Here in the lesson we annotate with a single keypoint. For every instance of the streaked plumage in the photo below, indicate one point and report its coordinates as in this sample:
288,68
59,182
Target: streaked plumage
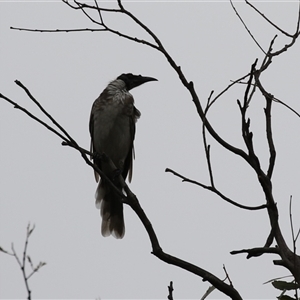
112,129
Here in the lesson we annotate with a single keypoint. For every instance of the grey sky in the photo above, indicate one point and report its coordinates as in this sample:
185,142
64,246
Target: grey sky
51,186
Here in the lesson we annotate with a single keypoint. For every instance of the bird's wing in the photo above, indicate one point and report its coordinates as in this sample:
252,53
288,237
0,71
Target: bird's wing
128,164
91,128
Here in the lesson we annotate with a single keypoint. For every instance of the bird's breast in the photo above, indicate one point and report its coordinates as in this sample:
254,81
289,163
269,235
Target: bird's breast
112,134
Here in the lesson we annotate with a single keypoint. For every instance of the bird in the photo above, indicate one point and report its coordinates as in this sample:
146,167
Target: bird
112,130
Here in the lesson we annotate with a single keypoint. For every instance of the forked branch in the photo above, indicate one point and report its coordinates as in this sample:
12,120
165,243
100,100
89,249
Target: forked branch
25,258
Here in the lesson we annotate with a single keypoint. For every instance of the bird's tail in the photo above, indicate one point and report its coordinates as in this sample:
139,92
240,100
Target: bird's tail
111,210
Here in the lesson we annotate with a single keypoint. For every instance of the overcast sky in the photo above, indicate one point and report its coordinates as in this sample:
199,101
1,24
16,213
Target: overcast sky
52,187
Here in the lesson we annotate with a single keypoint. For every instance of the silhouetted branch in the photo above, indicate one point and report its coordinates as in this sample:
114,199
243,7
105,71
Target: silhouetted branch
254,252
270,136
170,290
278,101
248,30
19,83
284,104
268,20
58,30
246,133
25,257
211,102
227,276
294,238
213,189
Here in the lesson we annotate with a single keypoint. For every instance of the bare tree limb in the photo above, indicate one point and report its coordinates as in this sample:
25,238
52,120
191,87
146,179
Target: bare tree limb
58,30
17,106
270,136
22,263
170,290
210,103
284,104
268,20
213,189
248,30
294,238
227,276
19,83
254,252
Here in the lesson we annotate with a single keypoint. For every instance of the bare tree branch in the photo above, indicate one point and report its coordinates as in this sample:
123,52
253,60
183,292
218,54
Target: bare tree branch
284,104
254,252
227,276
292,226
210,103
22,264
19,83
170,290
17,106
248,30
58,30
268,20
270,136
213,189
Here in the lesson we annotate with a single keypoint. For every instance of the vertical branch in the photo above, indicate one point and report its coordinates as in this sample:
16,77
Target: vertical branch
270,136
292,226
206,146
170,289
28,233
22,264
246,133
246,27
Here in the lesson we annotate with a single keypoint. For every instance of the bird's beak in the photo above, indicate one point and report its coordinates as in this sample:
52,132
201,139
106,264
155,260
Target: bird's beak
146,79
138,80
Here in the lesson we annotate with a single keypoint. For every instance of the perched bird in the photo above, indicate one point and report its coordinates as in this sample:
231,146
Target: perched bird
112,129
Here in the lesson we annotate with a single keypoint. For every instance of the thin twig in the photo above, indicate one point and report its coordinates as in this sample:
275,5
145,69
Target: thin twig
22,263
99,12
59,30
277,101
81,7
246,133
29,231
287,106
227,275
226,89
38,104
248,30
85,5
291,224
17,106
213,189
268,20
170,290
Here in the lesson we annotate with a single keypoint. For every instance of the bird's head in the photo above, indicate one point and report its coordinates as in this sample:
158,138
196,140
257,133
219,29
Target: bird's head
132,81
